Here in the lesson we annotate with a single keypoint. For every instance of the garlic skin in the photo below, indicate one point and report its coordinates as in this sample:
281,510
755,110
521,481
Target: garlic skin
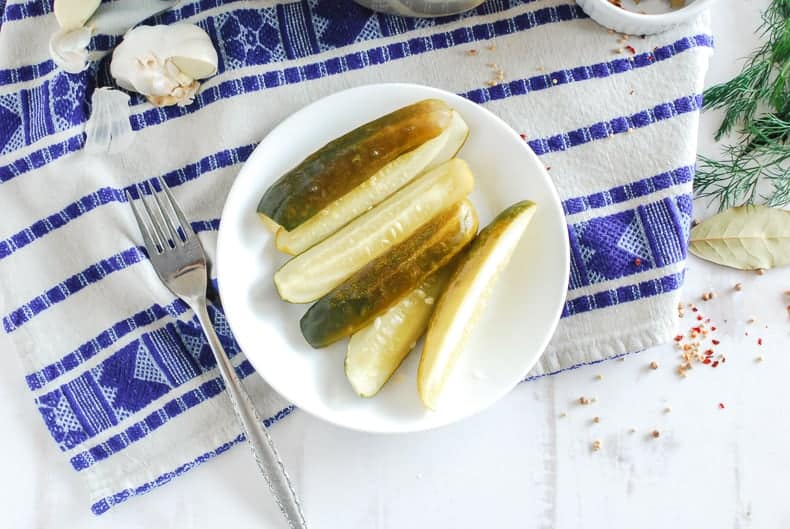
69,48
164,63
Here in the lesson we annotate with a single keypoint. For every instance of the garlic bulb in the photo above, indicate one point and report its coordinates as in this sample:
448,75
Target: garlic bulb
164,63
69,48
72,14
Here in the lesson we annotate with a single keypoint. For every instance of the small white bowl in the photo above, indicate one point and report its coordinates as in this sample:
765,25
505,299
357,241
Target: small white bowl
631,23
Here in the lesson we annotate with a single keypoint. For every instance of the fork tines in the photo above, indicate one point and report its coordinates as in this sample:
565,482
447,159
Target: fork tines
161,221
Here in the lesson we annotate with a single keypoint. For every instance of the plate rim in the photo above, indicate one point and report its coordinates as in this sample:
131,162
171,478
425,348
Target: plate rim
437,92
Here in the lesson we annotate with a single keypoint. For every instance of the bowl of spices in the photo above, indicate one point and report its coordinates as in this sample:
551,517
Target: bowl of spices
643,17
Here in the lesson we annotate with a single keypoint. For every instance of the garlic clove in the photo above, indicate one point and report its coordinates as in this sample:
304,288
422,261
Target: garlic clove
163,62
69,49
72,14
195,68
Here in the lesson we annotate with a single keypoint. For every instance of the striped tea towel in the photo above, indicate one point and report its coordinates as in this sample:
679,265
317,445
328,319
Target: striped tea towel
119,369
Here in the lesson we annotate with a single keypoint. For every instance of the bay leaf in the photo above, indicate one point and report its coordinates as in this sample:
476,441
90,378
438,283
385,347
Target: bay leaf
745,237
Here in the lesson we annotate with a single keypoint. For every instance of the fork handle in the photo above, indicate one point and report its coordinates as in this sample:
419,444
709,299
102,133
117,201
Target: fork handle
269,462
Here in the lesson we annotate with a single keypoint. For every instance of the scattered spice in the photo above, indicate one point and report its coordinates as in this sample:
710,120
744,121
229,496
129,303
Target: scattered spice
584,401
563,415
631,93
759,341
759,359
751,320
596,445
738,287
491,47
721,405
630,49
653,365
667,409
598,377
655,434
707,296
632,430
548,168
596,420
637,262
760,272
471,52
523,136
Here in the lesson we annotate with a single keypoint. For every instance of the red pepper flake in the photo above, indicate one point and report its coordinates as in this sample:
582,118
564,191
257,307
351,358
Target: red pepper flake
523,136
723,359
716,363
678,337
721,405
706,361
694,309
759,341
699,318
714,327
707,320
715,342
638,261
709,352
631,49
548,168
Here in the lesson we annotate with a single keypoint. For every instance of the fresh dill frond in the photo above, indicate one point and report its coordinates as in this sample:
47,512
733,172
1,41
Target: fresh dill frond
756,107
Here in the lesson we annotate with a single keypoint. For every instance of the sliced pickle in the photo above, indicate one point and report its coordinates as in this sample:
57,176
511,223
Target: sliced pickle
315,272
376,188
463,300
386,280
344,163
376,351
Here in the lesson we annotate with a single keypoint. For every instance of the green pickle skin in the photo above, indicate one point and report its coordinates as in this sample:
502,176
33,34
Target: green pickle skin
386,280
344,163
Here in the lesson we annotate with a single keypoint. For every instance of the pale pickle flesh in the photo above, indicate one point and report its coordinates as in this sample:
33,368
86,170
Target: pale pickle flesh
372,191
464,298
317,271
375,352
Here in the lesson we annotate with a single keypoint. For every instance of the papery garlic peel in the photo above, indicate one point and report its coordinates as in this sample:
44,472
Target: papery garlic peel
69,48
164,62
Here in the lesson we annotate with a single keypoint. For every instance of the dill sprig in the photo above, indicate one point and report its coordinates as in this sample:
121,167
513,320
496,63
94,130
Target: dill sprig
756,107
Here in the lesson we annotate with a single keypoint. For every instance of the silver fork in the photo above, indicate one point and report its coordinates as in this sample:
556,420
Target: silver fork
179,260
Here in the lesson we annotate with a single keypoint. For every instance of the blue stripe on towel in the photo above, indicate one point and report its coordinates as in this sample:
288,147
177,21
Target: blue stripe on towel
625,192
94,273
105,504
623,294
620,125
108,195
584,73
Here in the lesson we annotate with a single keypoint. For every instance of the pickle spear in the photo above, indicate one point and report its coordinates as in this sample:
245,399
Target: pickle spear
376,188
376,351
315,272
344,163
460,305
386,280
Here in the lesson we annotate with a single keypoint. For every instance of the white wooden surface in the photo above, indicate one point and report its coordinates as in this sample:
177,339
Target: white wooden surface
520,464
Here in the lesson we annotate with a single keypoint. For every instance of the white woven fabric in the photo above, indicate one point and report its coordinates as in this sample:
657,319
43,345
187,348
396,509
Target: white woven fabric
119,370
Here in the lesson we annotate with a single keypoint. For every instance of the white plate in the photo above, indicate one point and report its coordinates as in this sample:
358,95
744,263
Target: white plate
512,333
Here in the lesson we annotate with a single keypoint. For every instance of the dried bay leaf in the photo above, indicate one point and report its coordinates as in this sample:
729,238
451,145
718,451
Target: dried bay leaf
746,237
